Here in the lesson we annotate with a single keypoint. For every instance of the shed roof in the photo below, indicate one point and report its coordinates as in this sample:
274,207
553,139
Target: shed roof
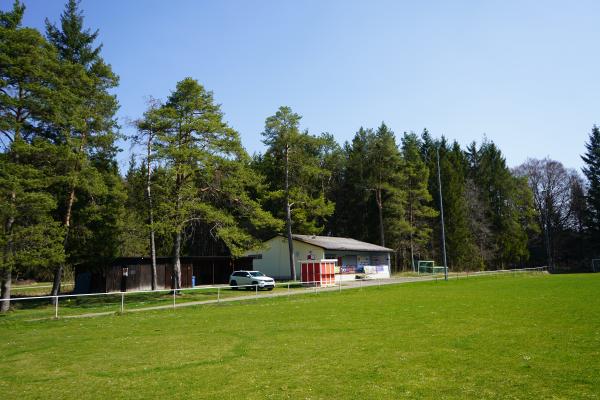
340,243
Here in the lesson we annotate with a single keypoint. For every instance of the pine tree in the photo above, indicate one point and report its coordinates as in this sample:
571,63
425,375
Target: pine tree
459,238
508,202
355,213
293,166
29,237
148,127
384,180
592,172
74,43
371,202
210,178
429,152
87,140
418,211
30,73
134,237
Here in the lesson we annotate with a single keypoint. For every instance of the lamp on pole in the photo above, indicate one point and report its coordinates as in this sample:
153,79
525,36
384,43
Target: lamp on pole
545,193
442,214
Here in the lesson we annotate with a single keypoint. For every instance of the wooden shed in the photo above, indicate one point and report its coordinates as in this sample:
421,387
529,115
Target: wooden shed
135,273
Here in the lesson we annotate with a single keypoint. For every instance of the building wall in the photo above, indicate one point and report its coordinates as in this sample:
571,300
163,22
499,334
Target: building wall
112,278
356,259
352,257
274,259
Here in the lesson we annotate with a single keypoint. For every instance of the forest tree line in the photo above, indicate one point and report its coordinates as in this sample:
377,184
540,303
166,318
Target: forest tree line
192,189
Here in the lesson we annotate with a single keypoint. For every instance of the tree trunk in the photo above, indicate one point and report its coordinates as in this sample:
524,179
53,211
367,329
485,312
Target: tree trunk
412,250
288,216
177,241
380,209
58,271
290,242
153,255
6,271
5,290
177,261
151,216
8,250
67,221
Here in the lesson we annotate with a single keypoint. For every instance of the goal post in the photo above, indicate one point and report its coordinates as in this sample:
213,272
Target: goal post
425,267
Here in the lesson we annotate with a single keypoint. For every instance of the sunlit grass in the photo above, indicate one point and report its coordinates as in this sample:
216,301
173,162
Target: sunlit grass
521,336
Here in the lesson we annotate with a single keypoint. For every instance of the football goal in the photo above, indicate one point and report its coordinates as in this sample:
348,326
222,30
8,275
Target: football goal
429,267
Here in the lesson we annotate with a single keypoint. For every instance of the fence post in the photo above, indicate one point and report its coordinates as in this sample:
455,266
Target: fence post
122,301
288,288
56,307
174,290
340,283
218,294
256,286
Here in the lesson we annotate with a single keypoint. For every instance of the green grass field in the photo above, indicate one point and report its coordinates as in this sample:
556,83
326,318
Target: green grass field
32,308
524,336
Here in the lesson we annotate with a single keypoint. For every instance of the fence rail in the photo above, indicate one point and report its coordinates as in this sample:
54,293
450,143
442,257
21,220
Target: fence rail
292,286
15,287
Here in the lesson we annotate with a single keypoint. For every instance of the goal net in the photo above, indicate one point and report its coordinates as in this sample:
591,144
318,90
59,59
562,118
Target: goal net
429,267
425,267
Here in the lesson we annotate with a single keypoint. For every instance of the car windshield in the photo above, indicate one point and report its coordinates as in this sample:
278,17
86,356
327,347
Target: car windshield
256,273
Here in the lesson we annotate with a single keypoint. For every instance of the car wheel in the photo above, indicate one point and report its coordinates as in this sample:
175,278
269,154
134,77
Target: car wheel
233,285
269,288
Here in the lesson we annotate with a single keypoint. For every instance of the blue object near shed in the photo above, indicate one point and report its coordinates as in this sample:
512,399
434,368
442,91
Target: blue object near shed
193,281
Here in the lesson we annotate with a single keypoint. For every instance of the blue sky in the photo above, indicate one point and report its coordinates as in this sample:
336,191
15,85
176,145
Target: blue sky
524,73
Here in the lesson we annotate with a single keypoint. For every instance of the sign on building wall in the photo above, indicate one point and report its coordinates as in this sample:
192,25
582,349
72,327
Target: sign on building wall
379,259
363,261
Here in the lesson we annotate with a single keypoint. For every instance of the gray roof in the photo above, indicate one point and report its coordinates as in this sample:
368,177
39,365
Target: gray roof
340,243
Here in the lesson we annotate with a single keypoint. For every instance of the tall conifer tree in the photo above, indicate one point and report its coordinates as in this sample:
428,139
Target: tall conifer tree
30,75
210,178
592,173
294,168
87,141
418,210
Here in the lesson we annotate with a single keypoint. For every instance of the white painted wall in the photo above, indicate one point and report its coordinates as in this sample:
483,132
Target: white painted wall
275,257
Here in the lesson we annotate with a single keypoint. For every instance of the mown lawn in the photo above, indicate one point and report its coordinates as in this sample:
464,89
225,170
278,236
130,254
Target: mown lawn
524,336
33,308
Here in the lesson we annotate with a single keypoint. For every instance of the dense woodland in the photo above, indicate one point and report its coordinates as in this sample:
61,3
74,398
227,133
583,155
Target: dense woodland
192,189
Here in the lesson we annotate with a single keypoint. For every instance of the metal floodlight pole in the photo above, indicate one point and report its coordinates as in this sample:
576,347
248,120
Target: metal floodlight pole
546,233
442,214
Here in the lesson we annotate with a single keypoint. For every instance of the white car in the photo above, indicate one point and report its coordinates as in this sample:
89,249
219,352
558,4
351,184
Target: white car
255,278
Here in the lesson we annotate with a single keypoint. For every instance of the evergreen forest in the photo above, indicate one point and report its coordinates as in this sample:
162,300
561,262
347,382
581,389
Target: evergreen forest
191,188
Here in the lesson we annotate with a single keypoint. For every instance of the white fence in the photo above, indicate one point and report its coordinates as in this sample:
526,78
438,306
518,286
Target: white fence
294,287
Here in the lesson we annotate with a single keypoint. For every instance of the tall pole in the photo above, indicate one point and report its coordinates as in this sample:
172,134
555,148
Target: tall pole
288,214
546,224
442,214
